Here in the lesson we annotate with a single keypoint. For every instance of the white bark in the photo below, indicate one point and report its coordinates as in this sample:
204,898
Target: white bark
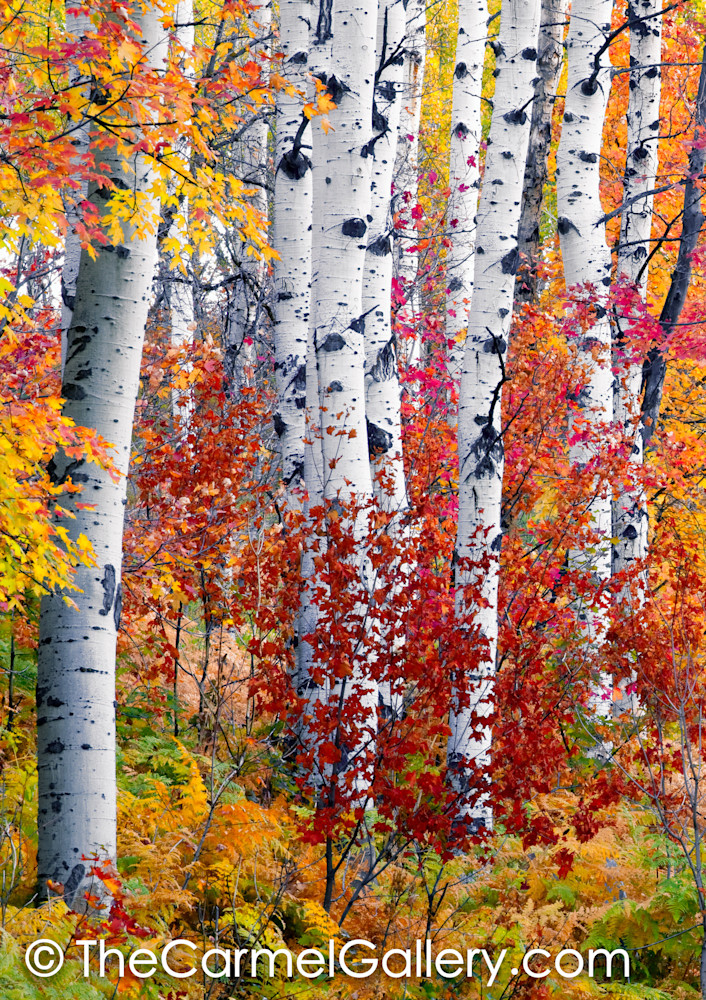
77,25
76,668
341,192
480,446
245,312
464,173
292,241
382,386
407,161
629,512
586,258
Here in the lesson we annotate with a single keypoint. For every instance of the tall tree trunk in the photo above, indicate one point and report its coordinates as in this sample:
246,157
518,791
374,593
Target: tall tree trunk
407,160
586,258
480,444
550,58
292,241
464,172
77,24
341,192
246,301
77,641
382,386
629,511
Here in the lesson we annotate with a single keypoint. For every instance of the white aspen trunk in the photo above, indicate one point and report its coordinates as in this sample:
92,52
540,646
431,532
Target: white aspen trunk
480,445
382,386
407,160
629,511
341,191
550,59
464,172
76,664
586,258
78,25
245,310
181,293
292,241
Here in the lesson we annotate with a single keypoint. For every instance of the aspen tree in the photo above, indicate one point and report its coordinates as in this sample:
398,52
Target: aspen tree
586,259
407,158
292,241
644,16
464,172
480,444
77,640
342,165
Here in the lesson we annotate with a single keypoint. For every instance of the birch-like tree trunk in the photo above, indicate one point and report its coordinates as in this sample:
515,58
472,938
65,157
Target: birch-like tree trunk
181,290
629,510
464,172
77,24
586,258
550,58
246,303
382,385
292,241
407,159
480,445
342,164
77,641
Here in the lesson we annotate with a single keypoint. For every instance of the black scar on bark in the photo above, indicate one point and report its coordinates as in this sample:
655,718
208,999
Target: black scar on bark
109,578
630,532
78,344
56,746
280,426
299,380
510,262
588,157
294,165
284,296
461,131
461,71
337,89
386,90
69,471
455,285
380,123
335,386
72,883
380,247
494,345
516,117
118,606
297,472
55,702
564,225
334,342
385,367
379,440
354,227
529,53
74,392
85,373
298,59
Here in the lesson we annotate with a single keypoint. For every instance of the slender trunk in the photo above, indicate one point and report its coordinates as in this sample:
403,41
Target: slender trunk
246,303
480,445
586,258
629,510
78,25
341,192
550,58
382,386
292,241
77,640
464,173
407,161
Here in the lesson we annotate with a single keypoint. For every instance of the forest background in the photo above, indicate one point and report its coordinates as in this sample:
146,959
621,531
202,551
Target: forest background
352,576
